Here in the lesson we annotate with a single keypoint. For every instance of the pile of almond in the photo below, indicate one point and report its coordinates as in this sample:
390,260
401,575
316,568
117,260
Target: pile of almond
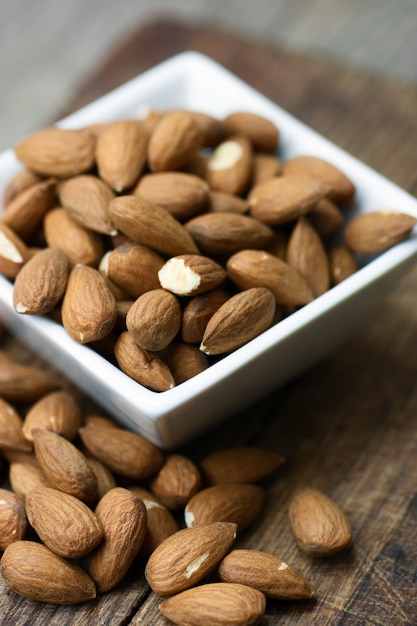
89,502
178,237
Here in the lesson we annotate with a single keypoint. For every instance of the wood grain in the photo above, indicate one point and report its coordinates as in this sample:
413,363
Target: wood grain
348,426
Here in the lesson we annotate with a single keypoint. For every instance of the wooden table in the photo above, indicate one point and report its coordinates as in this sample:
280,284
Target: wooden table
348,426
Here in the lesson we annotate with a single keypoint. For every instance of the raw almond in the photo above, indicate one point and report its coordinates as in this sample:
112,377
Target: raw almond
87,199
63,523
183,195
265,572
265,166
58,411
229,168
243,464
122,514
124,452
151,225
25,213
11,435
184,361
191,274
89,307
24,477
222,202
146,368
104,476
197,313
64,466
154,319
57,152
241,318
226,233
342,263
326,217
121,153
13,522
41,282
319,525
13,252
24,382
257,268
306,253
33,571
370,233
284,198
341,187
20,181
228,502
261,131
176,482
213,129
189,555
175,140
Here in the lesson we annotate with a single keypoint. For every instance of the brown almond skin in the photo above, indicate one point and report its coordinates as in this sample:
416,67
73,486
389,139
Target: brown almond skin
154,319
64,524
191,274
183,195
11,435
175,140
33,571
176,482
222,202
216,604
41,282
265,572
124,452
377,231
342,263
326,217
57,152
341,187
58,411
121,153
24,382
21,181
186,557
88,308
25,213
104,477
307,254
64,465
13,521
87,199
24,477
229,168
184,360
258,268
122,514
243,464
146,368
265,166
197,313
263,133
282,199
213,129
227,502
79,244
13,252
319,525
151,225
241,318
226,233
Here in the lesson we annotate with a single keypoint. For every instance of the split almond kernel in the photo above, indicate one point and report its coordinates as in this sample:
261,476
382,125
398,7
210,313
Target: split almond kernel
190,275
13,252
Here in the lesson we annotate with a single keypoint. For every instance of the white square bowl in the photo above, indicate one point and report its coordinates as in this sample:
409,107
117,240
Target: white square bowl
169,419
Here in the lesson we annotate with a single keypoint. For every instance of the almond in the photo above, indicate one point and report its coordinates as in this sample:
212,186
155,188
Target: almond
228,502
222,202
183,195
11,435
87,199
241,318
25,213
220,604
261,131
189,555
151,225
257,268
122,514
24,382
184,361
64,466
173,143
41,282
342,263
24,477
58,411
242,464
265,572
13,522
154,319
377,231
265,166
57,152
160,521
121,153
191,274
326,217
124,452
13,252
146,368
284,198
226,233
176,482
63,523
213,129
319,525
32,570
89,307
20,181
341,187
229,168
104,477
197,313
306,253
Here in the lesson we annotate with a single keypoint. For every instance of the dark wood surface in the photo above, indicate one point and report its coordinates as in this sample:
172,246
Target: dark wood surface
348,426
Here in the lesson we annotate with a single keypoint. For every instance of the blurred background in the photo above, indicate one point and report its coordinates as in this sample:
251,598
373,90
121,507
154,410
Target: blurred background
48,48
